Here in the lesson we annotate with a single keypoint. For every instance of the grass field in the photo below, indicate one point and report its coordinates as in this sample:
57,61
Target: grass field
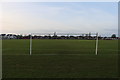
60,59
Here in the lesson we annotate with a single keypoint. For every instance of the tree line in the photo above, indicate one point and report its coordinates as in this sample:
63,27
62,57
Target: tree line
55,36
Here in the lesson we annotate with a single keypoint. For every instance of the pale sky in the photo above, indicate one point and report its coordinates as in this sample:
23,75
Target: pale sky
83,17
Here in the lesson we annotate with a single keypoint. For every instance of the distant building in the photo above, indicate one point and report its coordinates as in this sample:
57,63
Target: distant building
8,36
55,34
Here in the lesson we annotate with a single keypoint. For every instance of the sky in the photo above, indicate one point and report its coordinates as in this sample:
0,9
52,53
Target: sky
82,17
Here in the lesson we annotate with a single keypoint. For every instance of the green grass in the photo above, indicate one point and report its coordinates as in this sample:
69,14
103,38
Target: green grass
60,59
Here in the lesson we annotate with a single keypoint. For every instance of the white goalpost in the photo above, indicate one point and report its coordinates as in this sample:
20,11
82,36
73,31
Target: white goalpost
30,44
96,50
67,34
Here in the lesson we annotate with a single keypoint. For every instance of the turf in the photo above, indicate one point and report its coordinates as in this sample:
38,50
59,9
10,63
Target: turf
60,59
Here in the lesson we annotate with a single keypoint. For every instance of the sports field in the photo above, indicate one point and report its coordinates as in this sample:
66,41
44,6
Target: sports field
60,59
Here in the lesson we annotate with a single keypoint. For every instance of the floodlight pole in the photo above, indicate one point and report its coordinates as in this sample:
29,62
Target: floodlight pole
96,51
30,44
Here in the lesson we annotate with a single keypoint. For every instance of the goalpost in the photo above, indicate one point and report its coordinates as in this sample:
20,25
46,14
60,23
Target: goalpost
96,50
30,44
54,34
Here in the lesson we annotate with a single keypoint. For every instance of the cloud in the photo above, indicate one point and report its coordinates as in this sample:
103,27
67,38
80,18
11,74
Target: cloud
46,18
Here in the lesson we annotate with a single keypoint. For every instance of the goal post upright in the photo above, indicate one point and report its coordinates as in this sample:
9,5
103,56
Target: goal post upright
30,44
96,50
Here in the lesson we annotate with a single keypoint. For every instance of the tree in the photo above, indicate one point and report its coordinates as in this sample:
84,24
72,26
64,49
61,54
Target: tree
113,36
